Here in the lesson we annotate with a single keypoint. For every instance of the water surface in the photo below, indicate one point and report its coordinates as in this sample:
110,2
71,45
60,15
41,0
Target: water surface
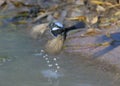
29,65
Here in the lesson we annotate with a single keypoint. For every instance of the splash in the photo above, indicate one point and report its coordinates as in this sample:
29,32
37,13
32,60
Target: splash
50,74
54,69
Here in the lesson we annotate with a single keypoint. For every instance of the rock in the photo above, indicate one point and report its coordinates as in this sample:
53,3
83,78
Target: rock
89,46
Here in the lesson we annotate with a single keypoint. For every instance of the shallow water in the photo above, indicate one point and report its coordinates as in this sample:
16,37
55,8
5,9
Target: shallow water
29,65
23,62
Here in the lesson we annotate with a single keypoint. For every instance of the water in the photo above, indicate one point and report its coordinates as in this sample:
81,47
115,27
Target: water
29,65
23,62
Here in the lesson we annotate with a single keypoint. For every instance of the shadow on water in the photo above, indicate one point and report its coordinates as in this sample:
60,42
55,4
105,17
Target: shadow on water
114,45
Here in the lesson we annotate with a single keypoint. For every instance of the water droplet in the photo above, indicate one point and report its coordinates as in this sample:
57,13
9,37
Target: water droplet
50,65
58,67
56,64
46,55
46,58
55,59
42,51
48,61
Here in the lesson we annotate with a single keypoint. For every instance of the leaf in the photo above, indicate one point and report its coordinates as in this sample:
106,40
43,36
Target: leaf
56,7
113,6
21,4
100,8
56,15
94,20
87,19
23,13
117,13
97,2
42,11
20,22
78,18
100,2
17,3
106,44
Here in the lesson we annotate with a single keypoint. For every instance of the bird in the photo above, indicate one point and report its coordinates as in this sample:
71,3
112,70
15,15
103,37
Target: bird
57,29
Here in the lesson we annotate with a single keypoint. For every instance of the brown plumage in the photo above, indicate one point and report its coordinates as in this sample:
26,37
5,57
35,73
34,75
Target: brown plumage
55,45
